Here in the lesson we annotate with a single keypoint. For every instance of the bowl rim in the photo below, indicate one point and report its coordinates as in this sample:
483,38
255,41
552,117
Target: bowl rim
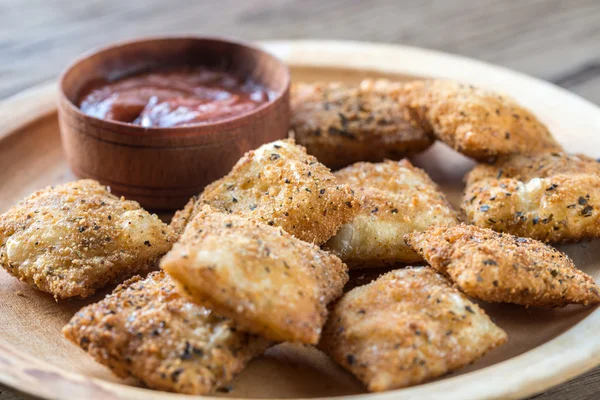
573,352
129,129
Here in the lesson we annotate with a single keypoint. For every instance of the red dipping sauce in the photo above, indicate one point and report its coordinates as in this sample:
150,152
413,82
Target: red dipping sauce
173,97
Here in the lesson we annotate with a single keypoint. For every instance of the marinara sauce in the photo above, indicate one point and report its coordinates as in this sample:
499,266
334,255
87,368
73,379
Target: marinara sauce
173,97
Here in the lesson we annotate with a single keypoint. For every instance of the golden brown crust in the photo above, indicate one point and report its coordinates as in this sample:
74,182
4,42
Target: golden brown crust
281,185
183,216
551,197
266,280
397,198
73,239
341,124
525,168
478,123
503,268
407,327
145,329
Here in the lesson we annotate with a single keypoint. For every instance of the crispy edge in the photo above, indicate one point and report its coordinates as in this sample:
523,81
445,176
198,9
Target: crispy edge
503,268
184,216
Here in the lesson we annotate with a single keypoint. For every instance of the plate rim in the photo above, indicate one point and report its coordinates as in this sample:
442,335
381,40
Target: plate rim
570,354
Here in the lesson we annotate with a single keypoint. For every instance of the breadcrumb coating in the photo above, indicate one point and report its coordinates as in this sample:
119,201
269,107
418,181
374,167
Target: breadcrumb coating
503,268
479,123
269,282
281,185
341,124
405,328
145,329
397,198
552,197
182,217
72,239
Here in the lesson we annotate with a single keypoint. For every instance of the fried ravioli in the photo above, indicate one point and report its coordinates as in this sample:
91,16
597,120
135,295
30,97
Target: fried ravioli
73,239
478,123
281,185
503,268
145,329
341,124
551,197
407,327
266,280
397,198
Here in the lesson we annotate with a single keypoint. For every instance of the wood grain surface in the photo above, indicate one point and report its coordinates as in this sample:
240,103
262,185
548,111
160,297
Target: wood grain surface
556,40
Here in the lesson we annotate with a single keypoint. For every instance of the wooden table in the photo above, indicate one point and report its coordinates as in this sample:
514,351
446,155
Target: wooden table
555,40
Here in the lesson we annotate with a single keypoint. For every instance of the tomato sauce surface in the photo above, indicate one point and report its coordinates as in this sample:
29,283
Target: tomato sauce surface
173,98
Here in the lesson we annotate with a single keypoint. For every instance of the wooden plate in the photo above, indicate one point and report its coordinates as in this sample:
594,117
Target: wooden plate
545,348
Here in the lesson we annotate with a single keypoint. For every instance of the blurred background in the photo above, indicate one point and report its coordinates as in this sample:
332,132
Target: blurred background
555,40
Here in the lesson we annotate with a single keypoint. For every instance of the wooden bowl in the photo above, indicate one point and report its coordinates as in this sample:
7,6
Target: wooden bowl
163,167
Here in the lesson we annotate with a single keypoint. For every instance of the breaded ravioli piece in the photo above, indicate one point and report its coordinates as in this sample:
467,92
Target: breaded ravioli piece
479,123
397,198
341,124
146,330
551,197
72,239
281,185
503,268
405,328
265,279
